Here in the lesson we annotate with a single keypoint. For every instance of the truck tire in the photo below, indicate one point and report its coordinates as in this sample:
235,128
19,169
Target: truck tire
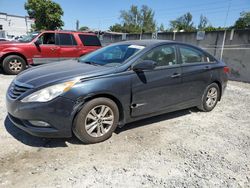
13,64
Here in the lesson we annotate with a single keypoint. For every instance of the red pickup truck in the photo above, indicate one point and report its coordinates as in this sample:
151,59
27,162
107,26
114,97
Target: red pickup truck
45,47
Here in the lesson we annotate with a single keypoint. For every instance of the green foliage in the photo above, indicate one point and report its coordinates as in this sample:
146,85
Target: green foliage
243,22
203,24
210,28
161,28
147,19
117,28
84,28
47,14
136,20
184,22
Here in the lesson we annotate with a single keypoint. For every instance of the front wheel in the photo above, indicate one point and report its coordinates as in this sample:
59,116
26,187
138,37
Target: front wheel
13,64
210,97
96,121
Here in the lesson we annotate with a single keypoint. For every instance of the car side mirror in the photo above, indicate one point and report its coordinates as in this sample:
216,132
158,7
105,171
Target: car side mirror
144,65
37,42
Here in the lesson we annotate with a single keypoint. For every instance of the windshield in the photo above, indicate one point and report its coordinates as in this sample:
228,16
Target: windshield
111,55
28,38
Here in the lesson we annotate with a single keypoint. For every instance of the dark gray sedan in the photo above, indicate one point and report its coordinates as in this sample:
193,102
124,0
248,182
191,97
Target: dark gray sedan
112,86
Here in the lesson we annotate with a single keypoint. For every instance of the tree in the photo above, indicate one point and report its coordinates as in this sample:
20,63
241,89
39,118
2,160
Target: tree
136,20
211,28
203,24
147,19
161,28
243,22
47,14
84,28
117,28
184,22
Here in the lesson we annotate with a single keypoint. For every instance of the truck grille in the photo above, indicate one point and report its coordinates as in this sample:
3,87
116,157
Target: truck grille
17,89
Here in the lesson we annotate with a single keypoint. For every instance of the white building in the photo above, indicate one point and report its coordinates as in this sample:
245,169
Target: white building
13,25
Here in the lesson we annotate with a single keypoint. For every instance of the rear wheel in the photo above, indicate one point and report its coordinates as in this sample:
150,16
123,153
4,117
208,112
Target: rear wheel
210,97
96,121
13,64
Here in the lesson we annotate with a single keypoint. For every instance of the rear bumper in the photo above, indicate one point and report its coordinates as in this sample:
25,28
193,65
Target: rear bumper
58,113
223,87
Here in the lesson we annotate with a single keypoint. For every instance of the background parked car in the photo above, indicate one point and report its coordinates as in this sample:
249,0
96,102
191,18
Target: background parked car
3,39
45,47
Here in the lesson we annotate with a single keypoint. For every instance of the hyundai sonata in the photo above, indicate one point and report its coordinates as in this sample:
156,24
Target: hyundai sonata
112,86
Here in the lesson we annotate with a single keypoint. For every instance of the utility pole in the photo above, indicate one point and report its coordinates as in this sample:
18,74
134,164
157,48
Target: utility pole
136,22
225,32
77,25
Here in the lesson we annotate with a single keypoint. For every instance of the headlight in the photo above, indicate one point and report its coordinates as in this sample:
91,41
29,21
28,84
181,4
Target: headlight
49,93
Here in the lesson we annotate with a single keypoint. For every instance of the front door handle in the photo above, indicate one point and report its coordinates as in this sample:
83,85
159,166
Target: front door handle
176,75
53,49
207,67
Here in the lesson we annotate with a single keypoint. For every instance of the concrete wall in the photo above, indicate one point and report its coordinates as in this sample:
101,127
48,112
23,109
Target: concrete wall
15,25
236,51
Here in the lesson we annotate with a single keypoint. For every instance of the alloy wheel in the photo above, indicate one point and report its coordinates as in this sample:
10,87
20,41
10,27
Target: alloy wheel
15,65
99,120
212,96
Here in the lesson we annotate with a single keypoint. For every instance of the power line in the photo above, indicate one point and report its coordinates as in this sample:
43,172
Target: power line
198,8
180,8
195,11
218,9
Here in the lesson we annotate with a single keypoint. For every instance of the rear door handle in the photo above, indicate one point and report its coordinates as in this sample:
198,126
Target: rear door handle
176,75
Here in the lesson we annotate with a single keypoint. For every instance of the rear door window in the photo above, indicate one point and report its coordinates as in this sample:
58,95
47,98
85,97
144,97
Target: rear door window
66,39
89,40
191,55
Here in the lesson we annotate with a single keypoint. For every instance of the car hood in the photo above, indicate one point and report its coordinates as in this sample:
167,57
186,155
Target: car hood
7,44
12,42
60,71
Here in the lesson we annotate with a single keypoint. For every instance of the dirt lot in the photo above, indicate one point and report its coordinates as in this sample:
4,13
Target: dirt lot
182,149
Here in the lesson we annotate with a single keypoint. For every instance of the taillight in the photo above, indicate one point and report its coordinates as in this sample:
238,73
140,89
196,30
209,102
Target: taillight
226,69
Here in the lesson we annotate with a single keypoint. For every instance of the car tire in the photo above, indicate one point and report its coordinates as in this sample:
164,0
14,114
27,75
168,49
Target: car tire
210,98
13,64
96,121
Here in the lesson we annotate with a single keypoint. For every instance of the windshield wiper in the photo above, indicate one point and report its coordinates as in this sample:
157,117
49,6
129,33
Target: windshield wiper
90,63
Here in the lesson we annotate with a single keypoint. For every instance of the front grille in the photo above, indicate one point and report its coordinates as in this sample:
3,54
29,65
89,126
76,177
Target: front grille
17,89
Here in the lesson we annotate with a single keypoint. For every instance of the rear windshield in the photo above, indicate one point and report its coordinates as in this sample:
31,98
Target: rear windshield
89,40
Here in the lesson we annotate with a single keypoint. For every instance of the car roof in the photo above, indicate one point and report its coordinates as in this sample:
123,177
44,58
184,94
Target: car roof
146,43
155,42
68,31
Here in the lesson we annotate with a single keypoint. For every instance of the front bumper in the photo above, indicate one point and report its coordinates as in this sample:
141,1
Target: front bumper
58,113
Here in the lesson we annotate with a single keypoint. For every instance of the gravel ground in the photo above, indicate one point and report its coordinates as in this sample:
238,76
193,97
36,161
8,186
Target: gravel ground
187,148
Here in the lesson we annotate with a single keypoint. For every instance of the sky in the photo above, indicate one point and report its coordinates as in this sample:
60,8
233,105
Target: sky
100,14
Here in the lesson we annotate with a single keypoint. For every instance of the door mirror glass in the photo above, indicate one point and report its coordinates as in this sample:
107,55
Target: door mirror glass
144,65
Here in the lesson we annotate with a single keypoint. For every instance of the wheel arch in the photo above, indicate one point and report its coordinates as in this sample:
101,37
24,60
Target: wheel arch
113,98
105,95
220,87
14,53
